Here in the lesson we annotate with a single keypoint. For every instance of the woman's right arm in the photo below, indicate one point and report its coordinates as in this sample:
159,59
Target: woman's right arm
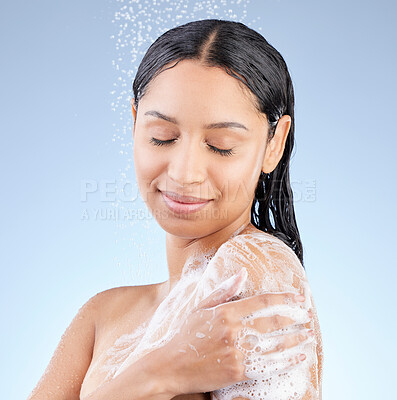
65,373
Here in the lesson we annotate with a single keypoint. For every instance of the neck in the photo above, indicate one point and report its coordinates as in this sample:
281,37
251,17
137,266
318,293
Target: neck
179,249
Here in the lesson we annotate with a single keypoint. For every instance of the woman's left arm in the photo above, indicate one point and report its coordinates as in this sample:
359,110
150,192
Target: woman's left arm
272,266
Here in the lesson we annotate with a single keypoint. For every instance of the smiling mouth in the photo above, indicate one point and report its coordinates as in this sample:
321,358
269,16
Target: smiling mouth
179,198
181,207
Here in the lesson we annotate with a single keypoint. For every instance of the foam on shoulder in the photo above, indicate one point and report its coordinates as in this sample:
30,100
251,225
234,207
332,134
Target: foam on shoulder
272,267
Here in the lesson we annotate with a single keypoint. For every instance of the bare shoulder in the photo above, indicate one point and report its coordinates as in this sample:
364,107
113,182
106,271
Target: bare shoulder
68,366
116,302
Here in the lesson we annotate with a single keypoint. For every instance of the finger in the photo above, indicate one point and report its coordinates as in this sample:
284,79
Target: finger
288,341
225,291
251,304
268,324
252,340
236,286
263,367
276,318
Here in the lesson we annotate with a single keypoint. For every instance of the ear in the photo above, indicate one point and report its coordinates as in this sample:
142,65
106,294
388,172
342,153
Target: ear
275,148
134,116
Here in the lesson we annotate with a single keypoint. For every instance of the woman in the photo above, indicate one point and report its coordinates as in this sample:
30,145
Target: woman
213,136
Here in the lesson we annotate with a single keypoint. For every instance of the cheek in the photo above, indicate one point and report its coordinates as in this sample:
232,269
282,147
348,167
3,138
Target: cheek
146,165
238,180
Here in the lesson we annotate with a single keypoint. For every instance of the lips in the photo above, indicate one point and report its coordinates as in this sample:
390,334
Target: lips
190,204
184,199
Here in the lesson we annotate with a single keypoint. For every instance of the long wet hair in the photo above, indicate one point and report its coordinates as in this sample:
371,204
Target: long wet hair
248,57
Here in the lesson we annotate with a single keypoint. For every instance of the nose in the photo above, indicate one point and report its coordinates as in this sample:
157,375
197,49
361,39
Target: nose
187,164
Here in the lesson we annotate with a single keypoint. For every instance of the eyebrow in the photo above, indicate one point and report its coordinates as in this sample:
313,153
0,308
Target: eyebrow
216,125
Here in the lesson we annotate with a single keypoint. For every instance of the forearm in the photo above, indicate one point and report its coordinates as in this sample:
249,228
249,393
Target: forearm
140,381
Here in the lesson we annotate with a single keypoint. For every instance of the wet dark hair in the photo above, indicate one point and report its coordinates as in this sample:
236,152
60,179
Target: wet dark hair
247,56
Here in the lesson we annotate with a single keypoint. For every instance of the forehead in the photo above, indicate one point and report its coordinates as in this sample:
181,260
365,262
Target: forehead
189,85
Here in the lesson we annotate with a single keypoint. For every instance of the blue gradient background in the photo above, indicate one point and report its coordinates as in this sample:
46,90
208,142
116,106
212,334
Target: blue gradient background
57,125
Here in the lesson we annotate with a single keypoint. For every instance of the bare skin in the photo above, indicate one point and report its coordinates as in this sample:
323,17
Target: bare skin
195,96
111,314
178,381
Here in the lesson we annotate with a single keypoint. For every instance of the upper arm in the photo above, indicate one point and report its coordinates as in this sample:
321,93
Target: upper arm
272,266
67,368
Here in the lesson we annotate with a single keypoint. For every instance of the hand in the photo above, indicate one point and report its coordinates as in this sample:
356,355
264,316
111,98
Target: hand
203,355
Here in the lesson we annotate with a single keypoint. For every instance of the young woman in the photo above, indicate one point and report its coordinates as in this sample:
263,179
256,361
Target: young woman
213,133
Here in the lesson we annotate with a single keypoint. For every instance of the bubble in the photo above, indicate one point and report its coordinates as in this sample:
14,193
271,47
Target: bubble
250,341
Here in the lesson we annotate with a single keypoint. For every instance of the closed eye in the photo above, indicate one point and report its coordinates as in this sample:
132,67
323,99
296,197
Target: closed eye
222,152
